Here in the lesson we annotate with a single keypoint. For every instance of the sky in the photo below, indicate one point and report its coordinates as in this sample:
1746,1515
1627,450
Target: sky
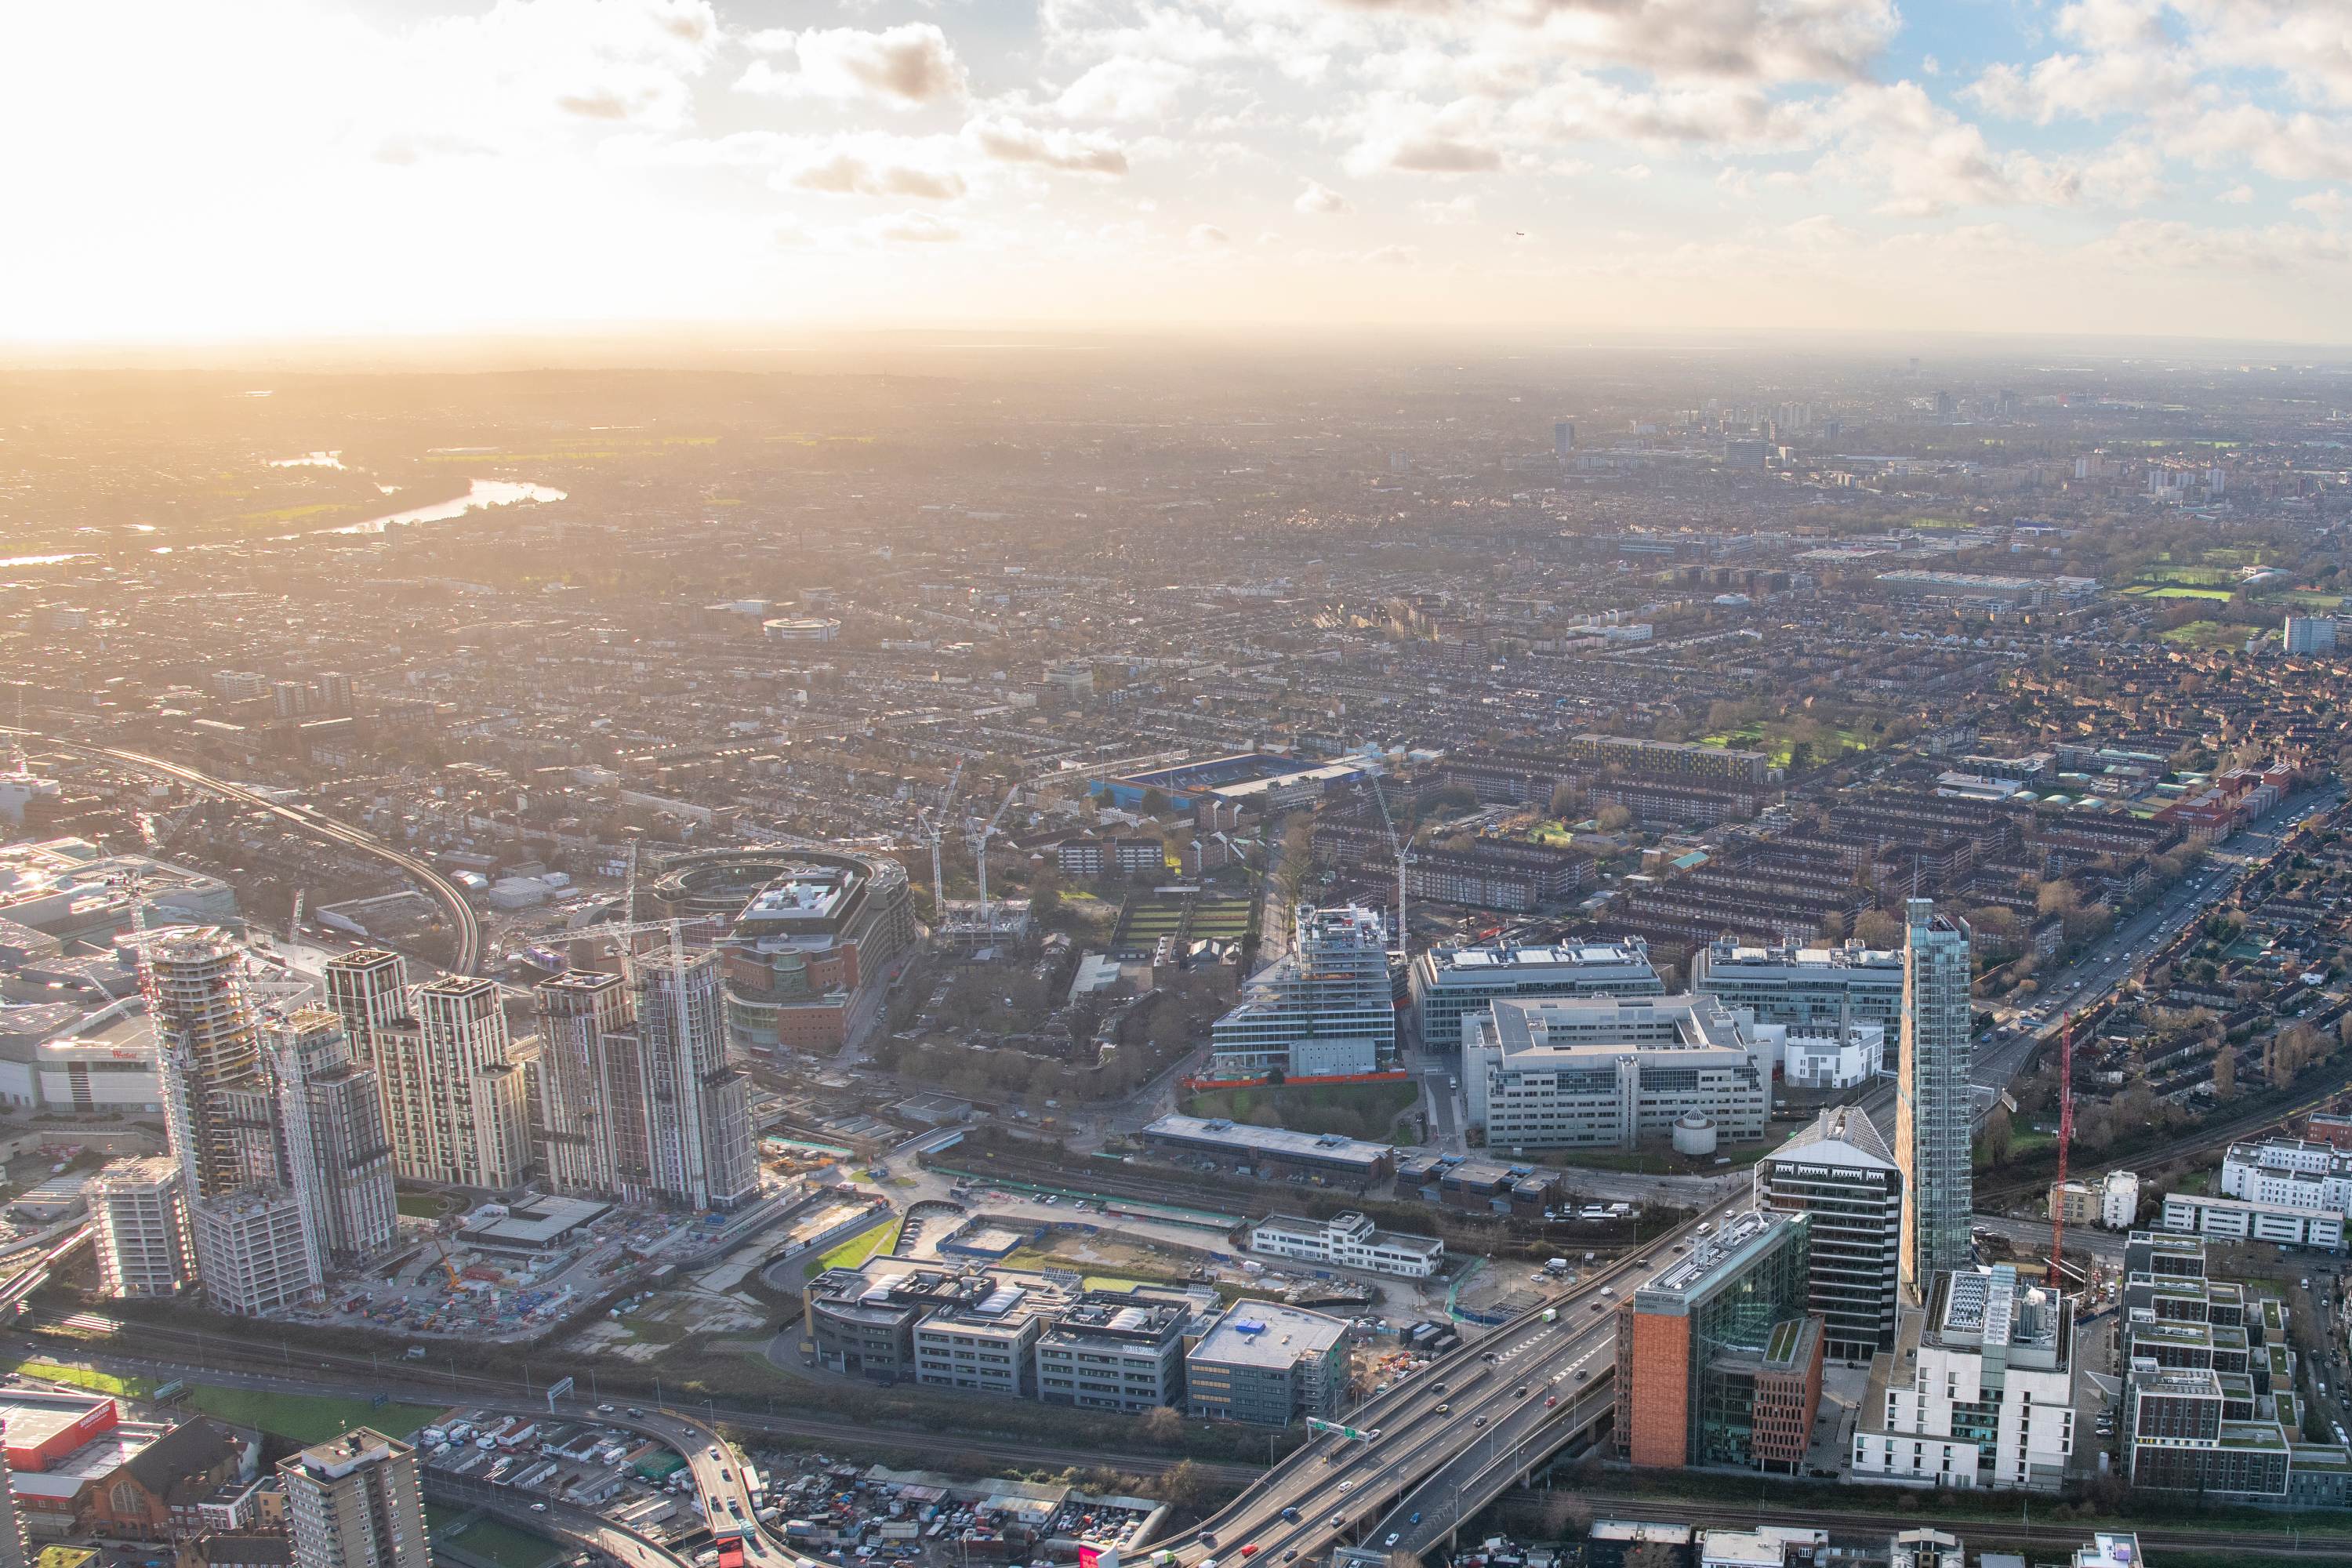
286,169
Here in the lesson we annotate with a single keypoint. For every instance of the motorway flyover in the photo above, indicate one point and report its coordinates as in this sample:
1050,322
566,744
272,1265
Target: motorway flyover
465,957
1338,1491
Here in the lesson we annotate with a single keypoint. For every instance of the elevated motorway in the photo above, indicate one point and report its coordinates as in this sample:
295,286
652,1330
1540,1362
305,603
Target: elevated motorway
467,955
1465,1428
577,1528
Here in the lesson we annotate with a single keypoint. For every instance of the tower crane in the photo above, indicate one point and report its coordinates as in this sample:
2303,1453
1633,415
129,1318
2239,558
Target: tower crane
932,820
979,855
1404,858
629,888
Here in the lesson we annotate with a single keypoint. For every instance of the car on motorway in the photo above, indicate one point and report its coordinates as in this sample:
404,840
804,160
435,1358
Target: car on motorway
1415,1519
1289,1554
1347,1485
1521,1392
1444,1409
1581,1374
1394,1536
1250,1550
714,1453
1207,1540
539,1508
1480,1422
1290,1515
1336,1522
1550,1400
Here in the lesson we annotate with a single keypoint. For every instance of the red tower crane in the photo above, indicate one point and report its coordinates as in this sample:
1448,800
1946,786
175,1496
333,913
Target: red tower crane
2065,1139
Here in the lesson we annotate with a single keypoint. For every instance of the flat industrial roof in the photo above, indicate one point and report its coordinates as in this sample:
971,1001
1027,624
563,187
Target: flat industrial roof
1327,1148
1268,1334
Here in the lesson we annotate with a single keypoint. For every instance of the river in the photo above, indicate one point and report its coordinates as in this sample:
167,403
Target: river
483,493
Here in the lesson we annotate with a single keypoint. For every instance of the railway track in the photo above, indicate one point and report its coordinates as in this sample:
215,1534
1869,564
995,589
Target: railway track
211,1354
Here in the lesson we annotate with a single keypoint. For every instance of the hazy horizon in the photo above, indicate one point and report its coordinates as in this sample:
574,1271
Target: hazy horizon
367,172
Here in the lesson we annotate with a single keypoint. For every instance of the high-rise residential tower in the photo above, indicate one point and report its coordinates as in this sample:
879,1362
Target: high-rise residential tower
700,1143
455,1086
356,1502
208,1043
252,1252
1933,1105
139,1210
636,1098
337,1159
366,986
582,1018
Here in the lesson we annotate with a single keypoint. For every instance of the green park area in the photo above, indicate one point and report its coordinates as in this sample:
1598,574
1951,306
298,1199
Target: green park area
298,1417
1779,743
859,1248
2206,634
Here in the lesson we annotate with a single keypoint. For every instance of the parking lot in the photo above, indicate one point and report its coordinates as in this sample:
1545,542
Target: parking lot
855,1514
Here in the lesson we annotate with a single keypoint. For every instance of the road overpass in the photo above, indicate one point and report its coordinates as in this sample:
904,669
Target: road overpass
467,955
1476,1419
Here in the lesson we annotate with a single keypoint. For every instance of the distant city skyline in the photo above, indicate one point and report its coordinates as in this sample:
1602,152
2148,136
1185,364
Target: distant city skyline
366,169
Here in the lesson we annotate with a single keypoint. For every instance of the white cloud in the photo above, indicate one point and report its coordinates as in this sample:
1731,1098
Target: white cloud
1769,40
1461,209
1074,151
1125,88
908,67
858,166
1208,236
1319,198
2172,246
917,228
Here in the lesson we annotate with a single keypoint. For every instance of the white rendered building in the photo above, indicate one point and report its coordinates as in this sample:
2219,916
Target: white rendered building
1348,1241
1979,1391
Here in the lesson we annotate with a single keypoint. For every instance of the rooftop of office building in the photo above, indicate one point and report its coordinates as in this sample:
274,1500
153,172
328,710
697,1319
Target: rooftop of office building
1845,955
1716,1258
1107,1314
884,1290
1268,1334
1610,1025
1841,1135
1465,965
